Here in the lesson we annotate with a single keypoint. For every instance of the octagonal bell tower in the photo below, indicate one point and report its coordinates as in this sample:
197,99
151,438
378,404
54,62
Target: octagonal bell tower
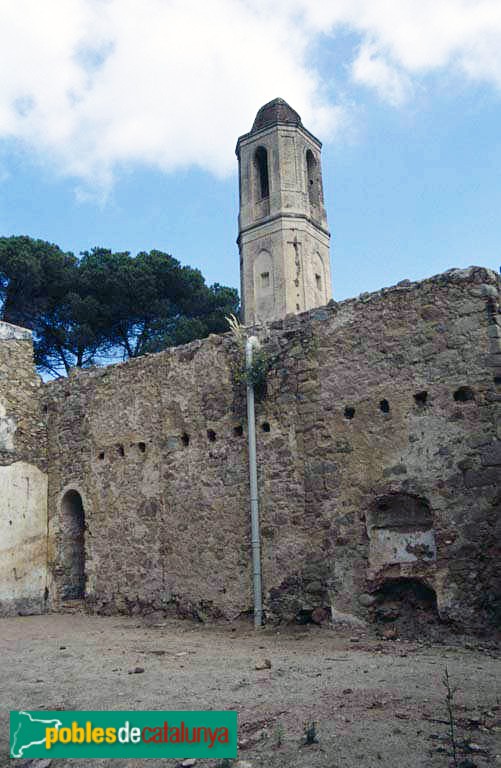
283,237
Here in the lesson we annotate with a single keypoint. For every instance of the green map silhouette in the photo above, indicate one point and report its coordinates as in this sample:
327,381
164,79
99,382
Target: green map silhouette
30,731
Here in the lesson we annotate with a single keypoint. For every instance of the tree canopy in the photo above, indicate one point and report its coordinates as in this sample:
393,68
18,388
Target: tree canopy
105,306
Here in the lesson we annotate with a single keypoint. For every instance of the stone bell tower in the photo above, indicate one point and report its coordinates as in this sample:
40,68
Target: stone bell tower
282,234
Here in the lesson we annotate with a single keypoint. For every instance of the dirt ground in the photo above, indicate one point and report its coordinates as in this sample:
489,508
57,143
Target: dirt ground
375,702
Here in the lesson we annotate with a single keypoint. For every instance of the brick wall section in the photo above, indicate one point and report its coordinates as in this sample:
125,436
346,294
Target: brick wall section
167,507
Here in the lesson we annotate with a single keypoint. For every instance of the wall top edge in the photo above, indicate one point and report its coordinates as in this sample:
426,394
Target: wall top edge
9,331
485,280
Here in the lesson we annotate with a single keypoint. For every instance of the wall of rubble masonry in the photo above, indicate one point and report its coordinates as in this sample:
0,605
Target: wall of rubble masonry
379,459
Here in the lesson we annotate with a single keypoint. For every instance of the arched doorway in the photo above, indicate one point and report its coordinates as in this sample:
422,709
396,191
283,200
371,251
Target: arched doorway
72,546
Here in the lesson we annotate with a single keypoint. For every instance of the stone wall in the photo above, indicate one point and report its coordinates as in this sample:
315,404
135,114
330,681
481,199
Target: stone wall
164,498
381,390
23,479
378,458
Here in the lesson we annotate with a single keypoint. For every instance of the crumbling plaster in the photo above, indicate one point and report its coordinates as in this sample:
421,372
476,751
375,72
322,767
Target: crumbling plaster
24,555
23,539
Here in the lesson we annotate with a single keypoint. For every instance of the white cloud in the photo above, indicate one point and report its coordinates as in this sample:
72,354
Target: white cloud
91,85
413,37
372,69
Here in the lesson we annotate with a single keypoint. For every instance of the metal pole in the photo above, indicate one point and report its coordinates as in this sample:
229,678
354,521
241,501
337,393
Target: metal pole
256,546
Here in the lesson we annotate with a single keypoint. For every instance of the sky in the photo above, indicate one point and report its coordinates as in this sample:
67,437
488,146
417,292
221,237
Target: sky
119,120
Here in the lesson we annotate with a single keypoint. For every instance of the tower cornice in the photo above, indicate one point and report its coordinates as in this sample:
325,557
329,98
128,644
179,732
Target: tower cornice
270,129
282,215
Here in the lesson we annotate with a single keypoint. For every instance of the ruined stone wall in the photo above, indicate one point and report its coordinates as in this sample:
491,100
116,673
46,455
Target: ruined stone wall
396,412
23,478
165,505
378,458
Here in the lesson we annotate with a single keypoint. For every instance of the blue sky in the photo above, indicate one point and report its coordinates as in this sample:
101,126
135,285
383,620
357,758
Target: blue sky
119,128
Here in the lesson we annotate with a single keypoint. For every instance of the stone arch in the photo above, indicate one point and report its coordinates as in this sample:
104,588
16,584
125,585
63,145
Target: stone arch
264,283
391,587
72,553
408,604
401,511
263,272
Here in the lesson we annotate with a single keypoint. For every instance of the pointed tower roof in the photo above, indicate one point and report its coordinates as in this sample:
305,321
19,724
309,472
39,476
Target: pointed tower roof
276,111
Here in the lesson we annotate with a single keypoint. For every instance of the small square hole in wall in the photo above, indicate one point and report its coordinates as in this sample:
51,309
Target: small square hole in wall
384,406
265,279
121,450
185,439
265,426
142,447
238,431
101,455
349,412
464,394
211,435
421,398
318,282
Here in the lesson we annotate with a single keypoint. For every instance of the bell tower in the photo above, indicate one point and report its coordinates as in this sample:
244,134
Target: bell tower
282,226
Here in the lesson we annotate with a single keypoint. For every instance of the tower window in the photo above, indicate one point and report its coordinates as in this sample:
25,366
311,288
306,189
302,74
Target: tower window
313,180
265,279
261,163
318,282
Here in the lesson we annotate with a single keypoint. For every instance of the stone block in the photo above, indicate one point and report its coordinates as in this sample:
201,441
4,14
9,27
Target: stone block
478,478
492,455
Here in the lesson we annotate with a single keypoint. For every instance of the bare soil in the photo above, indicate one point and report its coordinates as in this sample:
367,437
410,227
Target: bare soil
375,702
